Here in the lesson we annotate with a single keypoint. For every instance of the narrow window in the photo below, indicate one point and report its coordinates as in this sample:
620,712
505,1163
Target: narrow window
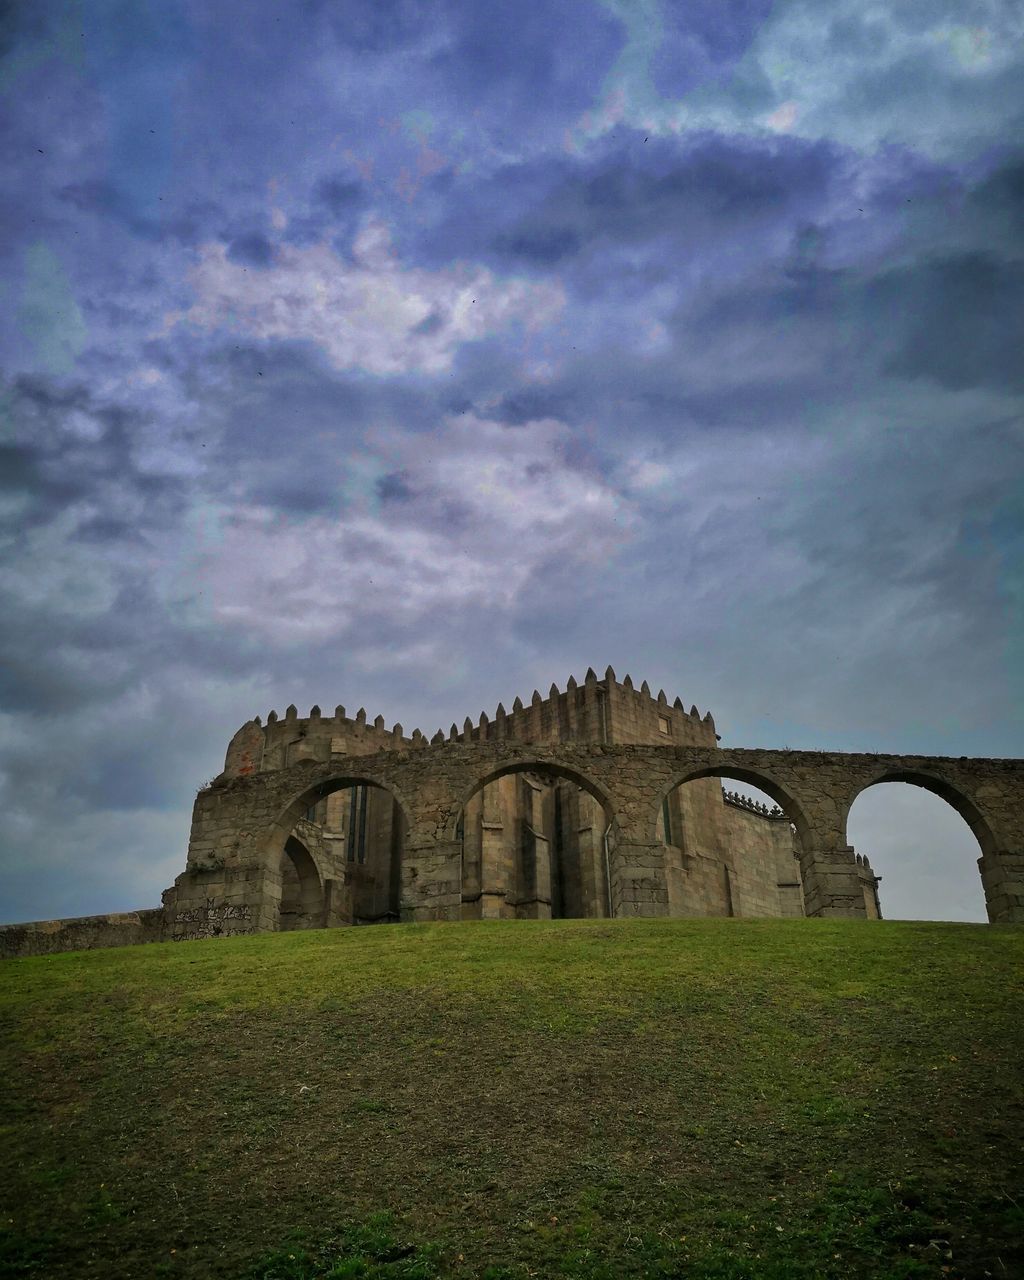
665,725
350,845
362,824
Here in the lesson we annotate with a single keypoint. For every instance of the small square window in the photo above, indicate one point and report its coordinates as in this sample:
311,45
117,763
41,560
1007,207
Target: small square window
664,724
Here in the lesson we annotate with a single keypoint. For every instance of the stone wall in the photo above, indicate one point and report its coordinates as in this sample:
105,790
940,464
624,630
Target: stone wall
119,929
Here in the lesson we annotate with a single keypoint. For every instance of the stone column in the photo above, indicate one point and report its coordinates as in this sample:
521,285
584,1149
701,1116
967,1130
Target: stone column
832,883
337,903
639,886
223,902
1002,874
432,882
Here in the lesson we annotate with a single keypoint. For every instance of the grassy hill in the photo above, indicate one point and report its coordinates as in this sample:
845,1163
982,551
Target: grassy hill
582,1098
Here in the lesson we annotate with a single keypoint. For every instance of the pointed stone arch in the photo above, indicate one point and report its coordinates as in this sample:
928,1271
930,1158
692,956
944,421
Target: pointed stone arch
302,888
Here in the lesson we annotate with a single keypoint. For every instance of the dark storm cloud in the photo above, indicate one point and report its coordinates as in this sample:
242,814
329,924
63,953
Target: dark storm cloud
961,319
252,249
521,59
71,446
629,191
339,194
703,41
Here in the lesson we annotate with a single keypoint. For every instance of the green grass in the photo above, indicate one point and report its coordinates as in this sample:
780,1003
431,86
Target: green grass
716,1100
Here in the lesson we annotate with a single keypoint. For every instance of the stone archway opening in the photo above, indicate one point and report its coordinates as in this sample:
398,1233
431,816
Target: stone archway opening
302,890
732,846
537,842
338,849
926,840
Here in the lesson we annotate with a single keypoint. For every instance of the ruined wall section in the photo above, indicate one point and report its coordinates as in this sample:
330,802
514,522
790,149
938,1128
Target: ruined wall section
117,929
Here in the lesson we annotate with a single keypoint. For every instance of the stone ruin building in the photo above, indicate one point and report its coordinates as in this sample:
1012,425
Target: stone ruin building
599,800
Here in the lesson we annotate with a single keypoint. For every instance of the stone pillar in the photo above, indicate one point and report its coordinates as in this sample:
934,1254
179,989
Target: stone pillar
432,882
337,903
1002,874
639,886
832,883
223,902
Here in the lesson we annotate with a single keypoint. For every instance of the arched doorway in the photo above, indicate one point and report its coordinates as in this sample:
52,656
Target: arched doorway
302,890
731,846
339,848
919,835
537,840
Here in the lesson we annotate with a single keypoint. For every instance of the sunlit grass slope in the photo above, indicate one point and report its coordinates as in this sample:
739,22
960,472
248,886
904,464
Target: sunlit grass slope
582,1098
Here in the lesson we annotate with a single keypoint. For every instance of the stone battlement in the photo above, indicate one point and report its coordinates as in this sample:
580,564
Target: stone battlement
604,710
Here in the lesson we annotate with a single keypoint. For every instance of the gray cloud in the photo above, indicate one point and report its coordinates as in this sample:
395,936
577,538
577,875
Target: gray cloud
763,451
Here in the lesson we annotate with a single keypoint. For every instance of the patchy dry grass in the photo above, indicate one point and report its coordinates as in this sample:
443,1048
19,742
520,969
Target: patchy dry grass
708,1099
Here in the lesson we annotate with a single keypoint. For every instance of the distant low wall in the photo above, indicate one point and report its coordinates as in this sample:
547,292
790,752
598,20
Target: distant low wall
119,929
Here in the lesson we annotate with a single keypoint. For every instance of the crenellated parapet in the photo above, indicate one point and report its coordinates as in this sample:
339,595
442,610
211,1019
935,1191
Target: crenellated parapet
739,801
595,710
284,741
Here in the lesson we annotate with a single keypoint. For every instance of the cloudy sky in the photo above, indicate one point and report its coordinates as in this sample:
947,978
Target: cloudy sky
416,353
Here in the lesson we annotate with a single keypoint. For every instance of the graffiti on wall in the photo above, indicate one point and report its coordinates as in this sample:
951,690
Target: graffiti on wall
217,919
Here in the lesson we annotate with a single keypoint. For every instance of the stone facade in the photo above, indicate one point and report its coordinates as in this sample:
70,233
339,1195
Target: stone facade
598,800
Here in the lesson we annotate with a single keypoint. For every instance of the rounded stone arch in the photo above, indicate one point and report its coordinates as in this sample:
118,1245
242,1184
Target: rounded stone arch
753,778
938,785
533,839
358,878
555,768
324,785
